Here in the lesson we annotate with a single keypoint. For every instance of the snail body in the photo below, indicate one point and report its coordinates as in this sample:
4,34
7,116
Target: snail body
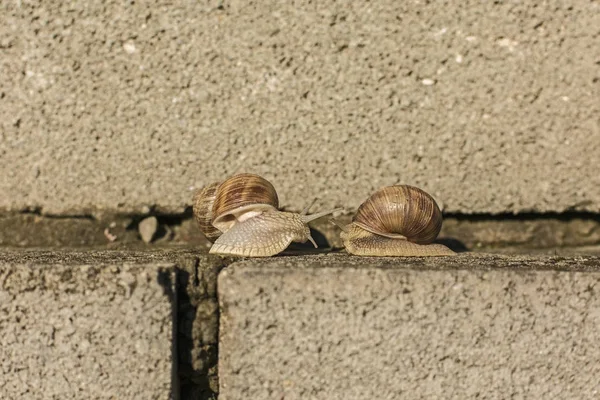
398,220
263,235
241,217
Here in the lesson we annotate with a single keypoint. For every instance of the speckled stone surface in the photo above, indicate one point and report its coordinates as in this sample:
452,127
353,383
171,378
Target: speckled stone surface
490,106
108,324
87,331
472,326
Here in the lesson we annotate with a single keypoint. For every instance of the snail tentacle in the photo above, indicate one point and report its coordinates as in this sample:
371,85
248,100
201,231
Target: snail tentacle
311,217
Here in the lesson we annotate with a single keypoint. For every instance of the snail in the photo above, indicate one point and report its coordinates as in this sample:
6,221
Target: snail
398,220
241,216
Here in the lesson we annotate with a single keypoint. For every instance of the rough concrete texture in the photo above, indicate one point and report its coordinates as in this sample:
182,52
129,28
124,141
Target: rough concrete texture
471,326
101,331
118,316
490,106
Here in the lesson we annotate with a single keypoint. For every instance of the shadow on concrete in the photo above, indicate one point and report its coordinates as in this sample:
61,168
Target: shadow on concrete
325,247
453,244
194,383
165,280
308,248
188,382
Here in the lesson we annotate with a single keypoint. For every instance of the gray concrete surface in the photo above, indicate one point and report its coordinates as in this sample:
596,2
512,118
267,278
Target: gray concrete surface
120,304
93,323
97,329
492,107
472,326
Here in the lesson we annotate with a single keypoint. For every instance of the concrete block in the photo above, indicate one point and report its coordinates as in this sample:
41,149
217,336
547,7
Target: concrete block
472,326
86,327
490,106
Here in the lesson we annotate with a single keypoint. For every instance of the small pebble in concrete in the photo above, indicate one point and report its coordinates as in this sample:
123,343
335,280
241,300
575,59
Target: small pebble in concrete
109,236
148,228
129,47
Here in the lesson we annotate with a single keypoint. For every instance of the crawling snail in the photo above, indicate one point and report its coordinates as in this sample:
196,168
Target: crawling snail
396,220
241,217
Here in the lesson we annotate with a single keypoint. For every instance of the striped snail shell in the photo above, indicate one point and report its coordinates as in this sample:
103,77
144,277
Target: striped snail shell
398,220
241,217
242,197
218,206
203,210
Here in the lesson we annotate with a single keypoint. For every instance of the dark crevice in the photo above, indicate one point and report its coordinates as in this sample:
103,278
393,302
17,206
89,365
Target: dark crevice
170,219
34,228
527,216
165,280
174,219
37,211
198,326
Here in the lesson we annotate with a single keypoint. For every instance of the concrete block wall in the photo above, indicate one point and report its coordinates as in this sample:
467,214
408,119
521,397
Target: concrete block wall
104,324
87,329
146,324
490,106
469,327
117,108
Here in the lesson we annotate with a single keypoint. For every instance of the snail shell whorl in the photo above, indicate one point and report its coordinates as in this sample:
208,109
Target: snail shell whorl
202,208
240,197
401,211
218,206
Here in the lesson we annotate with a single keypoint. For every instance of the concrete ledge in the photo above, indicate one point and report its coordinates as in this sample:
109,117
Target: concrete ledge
86,330
143,324
473,326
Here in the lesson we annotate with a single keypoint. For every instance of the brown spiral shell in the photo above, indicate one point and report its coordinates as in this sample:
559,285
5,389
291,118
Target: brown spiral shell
219,205
202,207
401,210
